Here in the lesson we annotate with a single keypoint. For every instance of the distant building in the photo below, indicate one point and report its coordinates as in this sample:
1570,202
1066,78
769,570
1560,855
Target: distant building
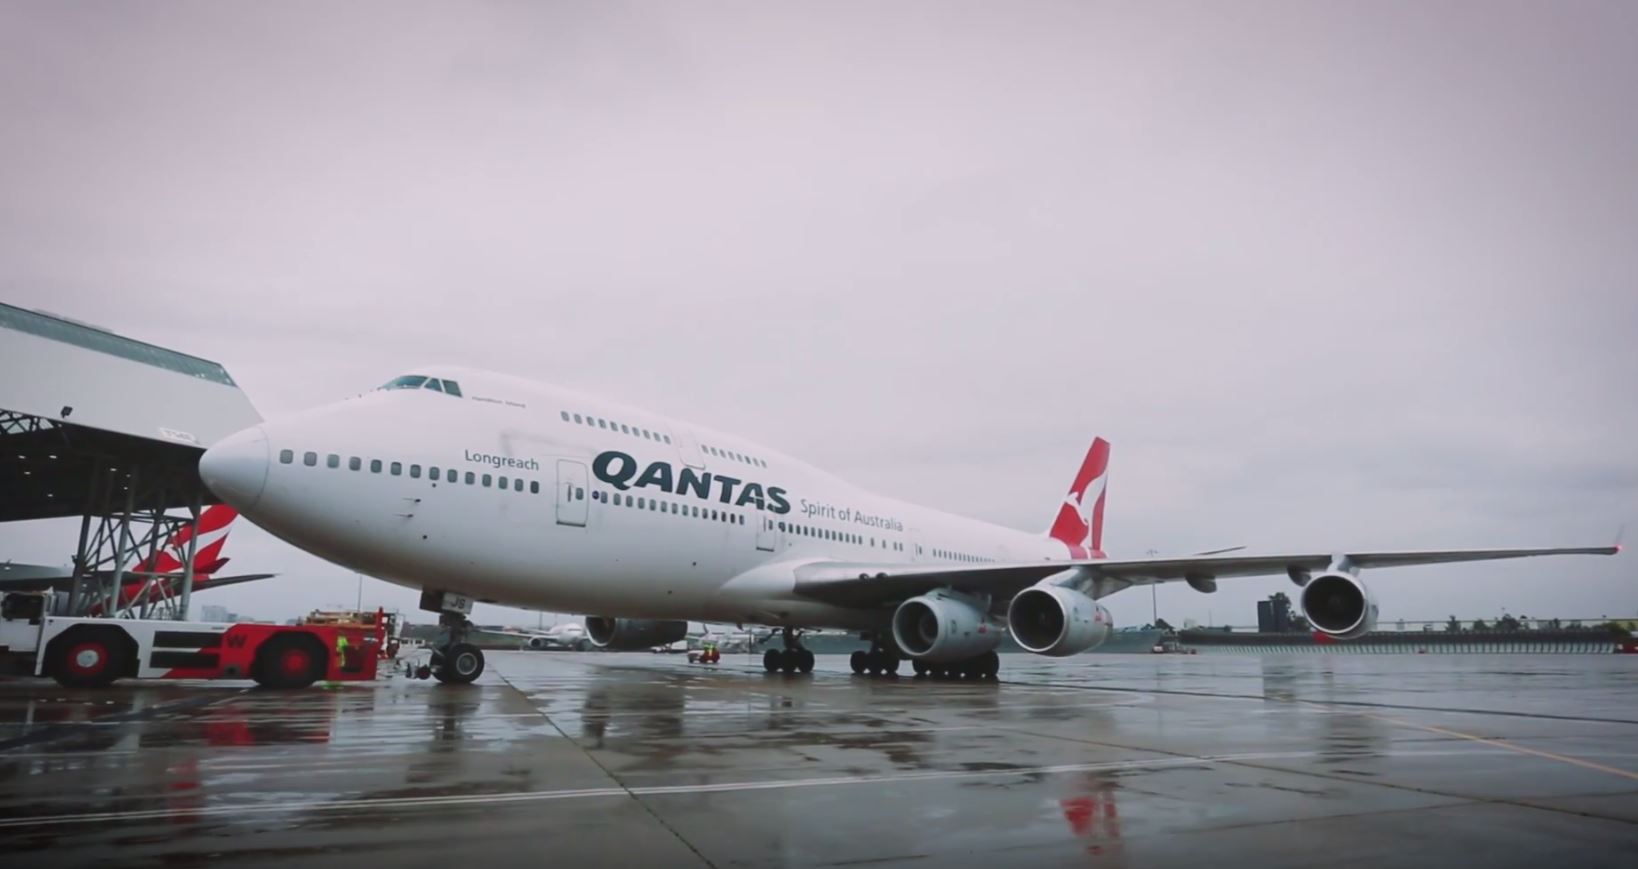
1274,614
214,613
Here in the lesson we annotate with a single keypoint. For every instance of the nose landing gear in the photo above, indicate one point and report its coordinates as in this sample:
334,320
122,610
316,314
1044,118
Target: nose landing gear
455,661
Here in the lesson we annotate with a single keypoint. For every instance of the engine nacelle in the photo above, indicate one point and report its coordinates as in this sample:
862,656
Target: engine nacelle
1338,604
633,635
944,627
1057,621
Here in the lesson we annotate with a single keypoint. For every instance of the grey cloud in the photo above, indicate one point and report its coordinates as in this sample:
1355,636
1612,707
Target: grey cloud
1323,273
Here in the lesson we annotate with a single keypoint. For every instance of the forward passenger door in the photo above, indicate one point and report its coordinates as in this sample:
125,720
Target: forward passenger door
571,493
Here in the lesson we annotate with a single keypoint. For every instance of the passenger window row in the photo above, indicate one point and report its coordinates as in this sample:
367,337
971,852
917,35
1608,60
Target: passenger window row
611,425
655,505
730,454
839,536
960,556
434,473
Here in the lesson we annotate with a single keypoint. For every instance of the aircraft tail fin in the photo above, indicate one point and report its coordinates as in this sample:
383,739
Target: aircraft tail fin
1079,523
212,529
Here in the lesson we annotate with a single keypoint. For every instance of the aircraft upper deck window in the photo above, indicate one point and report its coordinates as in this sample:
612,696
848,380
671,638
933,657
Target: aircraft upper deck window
452,388
432,384
397,468
375,466
309,459
577,418
355,463
332,461
565,415
286,456
408,381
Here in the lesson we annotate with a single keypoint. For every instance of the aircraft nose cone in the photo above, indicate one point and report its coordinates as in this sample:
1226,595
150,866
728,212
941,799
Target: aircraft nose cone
236,468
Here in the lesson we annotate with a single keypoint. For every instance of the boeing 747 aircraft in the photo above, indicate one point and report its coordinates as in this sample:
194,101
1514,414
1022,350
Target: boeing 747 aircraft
474,486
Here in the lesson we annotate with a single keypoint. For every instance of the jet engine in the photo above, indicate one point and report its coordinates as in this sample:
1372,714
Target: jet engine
633,635
944,627
1339,604
1057,621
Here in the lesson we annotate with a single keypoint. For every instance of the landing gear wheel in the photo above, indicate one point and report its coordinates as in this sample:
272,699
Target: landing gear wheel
859,661
772,660
288,662
459,665
789,661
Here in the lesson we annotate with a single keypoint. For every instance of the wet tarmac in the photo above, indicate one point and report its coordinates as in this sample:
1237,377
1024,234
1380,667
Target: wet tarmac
642,760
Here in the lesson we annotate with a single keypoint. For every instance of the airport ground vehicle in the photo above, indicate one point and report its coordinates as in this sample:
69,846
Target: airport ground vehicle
93,652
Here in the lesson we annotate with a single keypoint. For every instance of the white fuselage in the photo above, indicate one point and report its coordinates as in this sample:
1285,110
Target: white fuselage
621,512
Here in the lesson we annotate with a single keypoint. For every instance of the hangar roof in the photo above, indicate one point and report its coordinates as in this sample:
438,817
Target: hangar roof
77,398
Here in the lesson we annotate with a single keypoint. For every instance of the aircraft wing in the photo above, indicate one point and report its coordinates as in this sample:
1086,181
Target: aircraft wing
31,577
207,583
866,584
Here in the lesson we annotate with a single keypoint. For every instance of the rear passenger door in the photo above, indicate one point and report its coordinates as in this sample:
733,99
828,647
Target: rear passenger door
571,493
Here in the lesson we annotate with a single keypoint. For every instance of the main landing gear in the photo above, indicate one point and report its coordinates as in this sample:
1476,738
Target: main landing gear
791,659
984,666
881,660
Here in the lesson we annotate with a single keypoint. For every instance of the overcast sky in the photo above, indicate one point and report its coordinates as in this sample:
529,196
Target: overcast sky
1327,275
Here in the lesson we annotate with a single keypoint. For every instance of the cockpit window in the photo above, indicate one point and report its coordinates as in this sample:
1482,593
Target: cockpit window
408,381
421,381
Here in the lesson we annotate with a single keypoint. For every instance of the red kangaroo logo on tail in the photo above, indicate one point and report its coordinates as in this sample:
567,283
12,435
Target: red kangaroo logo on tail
1079,524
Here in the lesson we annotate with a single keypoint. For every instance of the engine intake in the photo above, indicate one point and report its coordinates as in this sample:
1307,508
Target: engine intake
944,627
1057,621
1339,604
633,635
